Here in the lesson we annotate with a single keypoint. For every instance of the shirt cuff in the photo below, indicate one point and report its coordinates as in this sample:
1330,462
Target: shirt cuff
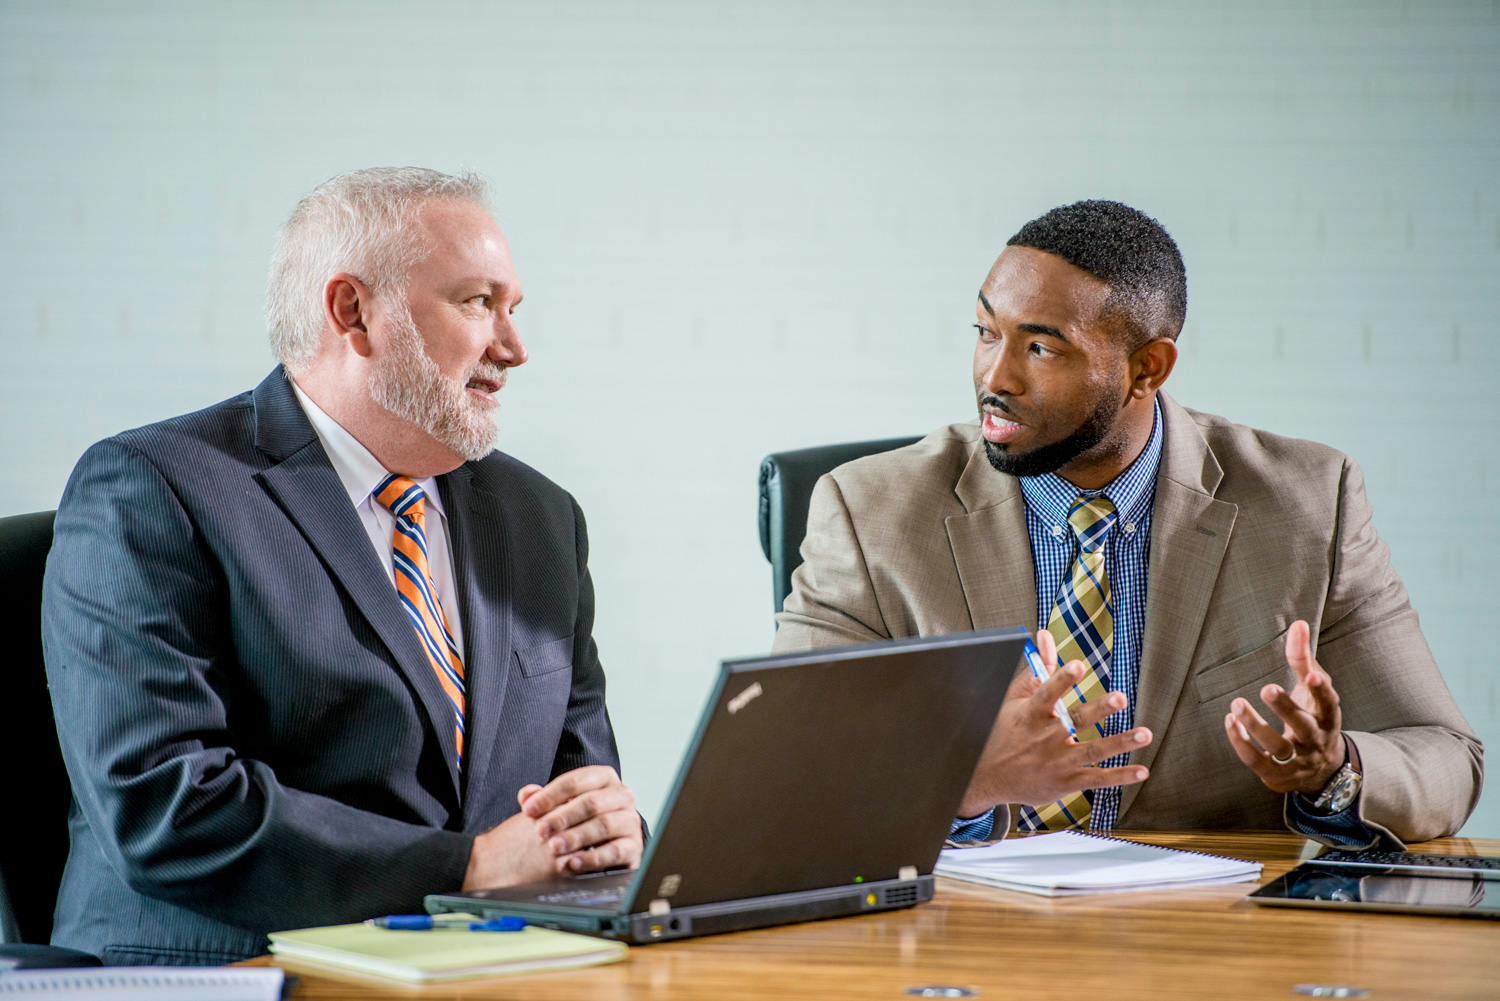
974,829
1345,828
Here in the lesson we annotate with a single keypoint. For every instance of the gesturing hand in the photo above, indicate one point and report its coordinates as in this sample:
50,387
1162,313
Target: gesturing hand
1029,757
1310,747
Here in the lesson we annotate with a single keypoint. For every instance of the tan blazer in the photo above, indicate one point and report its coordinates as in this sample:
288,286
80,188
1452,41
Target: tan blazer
1250,532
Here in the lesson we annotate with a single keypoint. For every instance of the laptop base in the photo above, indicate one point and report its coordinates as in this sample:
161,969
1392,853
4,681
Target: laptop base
698,919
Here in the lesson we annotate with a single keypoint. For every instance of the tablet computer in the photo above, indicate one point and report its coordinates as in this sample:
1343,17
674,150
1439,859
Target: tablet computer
1311,884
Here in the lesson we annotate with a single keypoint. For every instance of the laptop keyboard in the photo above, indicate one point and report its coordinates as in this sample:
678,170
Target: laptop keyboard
1486,866
590,897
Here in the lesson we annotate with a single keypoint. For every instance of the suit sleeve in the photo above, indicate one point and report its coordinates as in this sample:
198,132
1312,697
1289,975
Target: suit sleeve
141,663
833,601
1422,764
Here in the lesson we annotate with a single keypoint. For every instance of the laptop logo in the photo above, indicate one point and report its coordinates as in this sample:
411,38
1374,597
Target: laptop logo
669,885
741,700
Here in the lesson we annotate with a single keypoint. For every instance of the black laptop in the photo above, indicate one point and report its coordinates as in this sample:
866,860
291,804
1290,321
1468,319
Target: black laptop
817,785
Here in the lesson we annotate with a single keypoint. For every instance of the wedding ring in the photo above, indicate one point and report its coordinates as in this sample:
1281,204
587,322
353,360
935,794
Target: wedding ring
1288,759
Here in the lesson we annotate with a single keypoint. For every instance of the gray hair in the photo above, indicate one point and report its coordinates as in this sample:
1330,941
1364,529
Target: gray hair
363,223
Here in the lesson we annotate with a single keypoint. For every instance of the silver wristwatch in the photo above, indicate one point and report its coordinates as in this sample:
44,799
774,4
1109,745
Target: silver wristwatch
1340,791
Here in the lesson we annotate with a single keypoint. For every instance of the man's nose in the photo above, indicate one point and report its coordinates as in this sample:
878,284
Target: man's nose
507,348
1002,376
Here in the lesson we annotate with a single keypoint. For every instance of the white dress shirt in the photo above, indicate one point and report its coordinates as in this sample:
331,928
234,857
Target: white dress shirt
361,473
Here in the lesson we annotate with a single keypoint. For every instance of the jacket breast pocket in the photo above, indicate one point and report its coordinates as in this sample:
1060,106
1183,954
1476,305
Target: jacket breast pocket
546,658
1261,666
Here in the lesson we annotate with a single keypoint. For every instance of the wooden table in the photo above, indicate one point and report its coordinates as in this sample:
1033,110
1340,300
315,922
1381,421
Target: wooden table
1199,943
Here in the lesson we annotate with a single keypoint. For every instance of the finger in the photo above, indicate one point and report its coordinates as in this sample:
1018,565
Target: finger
1299,650
1326,704
1247,752
1089,714
605,827
583,808
526,792
569,785
1304,726
1106,778
616,854
1091,752
1046,645
596,831
1263,732
1056,687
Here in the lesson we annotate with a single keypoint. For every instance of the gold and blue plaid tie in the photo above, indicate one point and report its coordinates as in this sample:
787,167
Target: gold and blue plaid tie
1083,623
403,498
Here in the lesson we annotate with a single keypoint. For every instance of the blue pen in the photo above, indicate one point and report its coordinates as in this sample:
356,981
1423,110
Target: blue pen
426,922
1034,661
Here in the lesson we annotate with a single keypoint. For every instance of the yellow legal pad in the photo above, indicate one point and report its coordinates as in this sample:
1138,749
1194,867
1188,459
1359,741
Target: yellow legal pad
443,953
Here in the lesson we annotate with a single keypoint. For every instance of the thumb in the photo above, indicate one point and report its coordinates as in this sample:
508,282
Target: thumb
1299,650
1023,685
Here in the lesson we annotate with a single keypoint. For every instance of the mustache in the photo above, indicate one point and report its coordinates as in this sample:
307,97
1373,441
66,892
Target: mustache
491,371
990,400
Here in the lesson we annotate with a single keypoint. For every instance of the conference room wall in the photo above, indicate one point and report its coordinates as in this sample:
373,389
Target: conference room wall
746,228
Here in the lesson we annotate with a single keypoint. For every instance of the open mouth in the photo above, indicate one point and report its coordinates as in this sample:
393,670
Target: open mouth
488,386
999,428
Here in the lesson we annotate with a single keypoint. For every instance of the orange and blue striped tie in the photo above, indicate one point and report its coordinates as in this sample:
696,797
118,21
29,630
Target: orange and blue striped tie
1083,624
403,498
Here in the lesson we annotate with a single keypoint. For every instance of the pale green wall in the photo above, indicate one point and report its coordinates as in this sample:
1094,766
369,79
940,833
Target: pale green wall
749,228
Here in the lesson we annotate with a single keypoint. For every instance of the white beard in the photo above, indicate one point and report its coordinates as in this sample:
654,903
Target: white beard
410,385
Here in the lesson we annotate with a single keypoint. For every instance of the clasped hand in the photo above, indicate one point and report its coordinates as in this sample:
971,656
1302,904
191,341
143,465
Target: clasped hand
1030,758
582,821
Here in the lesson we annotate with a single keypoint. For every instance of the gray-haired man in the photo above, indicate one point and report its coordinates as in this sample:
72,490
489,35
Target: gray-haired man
318,650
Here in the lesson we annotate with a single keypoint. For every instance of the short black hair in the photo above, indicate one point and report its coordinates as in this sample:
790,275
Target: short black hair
1126,249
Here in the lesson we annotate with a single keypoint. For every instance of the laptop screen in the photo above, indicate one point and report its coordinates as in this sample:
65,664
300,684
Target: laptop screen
828,768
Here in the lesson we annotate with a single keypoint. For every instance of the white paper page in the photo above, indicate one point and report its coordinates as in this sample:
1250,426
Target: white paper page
1070,859
144,983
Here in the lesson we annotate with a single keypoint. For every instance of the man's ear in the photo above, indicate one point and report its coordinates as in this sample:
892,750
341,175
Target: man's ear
347,304
1150,364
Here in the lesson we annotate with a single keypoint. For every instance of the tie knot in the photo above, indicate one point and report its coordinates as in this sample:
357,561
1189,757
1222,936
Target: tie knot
400,494
1091,519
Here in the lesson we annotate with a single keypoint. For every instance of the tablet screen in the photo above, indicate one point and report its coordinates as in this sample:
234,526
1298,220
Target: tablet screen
1312,885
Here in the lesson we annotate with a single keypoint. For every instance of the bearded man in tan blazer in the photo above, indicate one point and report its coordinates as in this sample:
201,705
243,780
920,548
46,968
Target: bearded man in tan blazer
1239,572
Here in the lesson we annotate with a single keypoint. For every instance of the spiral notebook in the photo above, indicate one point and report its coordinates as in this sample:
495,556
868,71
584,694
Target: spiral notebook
144,983
1067,863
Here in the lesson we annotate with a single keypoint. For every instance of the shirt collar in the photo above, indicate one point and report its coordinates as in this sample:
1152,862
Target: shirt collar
358,470
1050,496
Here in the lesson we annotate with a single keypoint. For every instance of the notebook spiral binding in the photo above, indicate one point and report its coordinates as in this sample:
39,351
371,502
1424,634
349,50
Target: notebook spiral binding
1180,851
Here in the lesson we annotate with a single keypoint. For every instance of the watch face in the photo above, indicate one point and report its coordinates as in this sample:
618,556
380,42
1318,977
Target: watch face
1345,788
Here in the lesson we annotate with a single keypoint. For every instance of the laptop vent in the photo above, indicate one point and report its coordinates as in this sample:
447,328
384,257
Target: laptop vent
900,896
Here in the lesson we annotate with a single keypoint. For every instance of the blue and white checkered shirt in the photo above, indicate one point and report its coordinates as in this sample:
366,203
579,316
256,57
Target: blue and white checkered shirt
1127,558
1127,549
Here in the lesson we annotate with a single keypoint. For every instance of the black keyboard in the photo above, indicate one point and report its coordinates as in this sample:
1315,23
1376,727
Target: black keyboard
1483,866
587,897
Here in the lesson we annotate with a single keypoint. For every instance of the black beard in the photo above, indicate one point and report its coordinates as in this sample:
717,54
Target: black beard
1046,459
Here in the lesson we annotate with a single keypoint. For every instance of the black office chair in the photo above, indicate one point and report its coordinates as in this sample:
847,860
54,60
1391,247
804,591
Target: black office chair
786,485
34,789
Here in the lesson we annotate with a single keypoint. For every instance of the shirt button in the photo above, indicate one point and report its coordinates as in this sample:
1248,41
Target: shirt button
1057,531
1130,528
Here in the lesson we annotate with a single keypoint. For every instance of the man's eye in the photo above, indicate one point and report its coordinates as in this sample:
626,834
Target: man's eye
1041,348
481,300
984,332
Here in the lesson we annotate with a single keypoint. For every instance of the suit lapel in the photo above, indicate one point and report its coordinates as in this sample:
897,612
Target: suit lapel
1189,533
304,484
991,547
481,571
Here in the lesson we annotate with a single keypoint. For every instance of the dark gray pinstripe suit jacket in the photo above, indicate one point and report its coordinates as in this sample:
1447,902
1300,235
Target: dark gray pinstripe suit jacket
255,738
